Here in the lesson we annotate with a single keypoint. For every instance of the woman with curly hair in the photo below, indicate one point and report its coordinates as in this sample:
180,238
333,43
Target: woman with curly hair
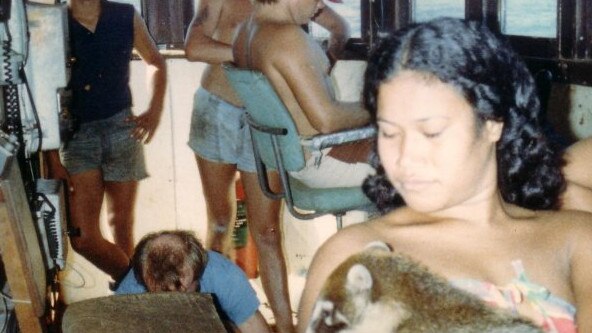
466,180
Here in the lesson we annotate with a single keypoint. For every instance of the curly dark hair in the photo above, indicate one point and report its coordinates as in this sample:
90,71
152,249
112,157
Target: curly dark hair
495,81
160,257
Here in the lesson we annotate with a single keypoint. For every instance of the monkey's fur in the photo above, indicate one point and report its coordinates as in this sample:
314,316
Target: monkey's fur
377,291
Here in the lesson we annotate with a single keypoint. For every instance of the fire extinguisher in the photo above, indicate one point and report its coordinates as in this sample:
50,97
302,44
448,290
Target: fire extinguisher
246,252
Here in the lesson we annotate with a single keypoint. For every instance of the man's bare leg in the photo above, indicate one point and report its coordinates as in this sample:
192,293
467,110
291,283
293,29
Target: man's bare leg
263,215
85,208
217,180
121,203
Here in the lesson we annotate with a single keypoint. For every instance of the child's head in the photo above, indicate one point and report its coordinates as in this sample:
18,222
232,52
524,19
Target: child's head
169,261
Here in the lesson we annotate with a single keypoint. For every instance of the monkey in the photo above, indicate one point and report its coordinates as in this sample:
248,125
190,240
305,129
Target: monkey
378,291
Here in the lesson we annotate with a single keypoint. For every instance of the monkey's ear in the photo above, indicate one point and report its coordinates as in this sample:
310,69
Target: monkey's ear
378,245
359,280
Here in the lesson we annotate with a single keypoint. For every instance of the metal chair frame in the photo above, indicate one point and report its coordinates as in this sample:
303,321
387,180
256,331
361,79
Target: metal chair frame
316,142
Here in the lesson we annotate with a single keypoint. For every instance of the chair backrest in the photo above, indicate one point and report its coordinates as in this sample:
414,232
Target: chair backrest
265,107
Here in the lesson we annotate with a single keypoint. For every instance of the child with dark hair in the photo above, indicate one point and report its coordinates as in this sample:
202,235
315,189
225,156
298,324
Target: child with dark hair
467,181
176,261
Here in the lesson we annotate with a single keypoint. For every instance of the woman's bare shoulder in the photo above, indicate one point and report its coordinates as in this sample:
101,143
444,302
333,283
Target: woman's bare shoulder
348,241
574,223
354,235
565,216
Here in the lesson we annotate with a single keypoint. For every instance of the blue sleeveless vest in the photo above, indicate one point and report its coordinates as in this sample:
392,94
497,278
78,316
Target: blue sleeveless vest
99,77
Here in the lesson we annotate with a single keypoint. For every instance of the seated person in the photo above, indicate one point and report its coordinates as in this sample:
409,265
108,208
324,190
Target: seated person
578,194
176,261
460,143
273,42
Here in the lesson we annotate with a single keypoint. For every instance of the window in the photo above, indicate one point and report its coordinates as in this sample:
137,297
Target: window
168,21
350,10
425,10
534,18
553,35
550,34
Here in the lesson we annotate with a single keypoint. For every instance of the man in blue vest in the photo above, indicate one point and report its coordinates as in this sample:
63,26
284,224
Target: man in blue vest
104,158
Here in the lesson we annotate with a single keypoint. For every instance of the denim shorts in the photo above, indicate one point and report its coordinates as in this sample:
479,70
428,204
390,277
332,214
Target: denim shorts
106,145
219,132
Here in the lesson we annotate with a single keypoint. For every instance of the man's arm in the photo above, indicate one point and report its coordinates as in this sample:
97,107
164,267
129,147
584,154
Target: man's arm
147,122
296,61
56,169
579,158
576,197
339,31
578,193
199,44
255,324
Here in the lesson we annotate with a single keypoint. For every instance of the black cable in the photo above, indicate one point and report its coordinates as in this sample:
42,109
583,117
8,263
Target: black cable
51,230
13,119
13,325
33,106
7,48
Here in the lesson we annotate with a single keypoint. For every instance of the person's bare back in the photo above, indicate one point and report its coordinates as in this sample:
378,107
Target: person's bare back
298,68
272,49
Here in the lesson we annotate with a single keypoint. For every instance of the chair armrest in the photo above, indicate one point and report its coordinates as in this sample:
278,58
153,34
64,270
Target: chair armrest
321,141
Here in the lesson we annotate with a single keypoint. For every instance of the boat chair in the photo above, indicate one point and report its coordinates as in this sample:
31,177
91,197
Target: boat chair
278,146
140,313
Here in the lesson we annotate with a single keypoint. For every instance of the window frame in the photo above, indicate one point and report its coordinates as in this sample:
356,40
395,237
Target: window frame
568,56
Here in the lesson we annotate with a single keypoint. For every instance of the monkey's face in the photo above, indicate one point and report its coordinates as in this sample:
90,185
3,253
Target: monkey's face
346,305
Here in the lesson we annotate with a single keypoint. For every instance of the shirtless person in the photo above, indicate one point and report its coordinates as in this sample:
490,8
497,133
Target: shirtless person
578,194
273,43
221,142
